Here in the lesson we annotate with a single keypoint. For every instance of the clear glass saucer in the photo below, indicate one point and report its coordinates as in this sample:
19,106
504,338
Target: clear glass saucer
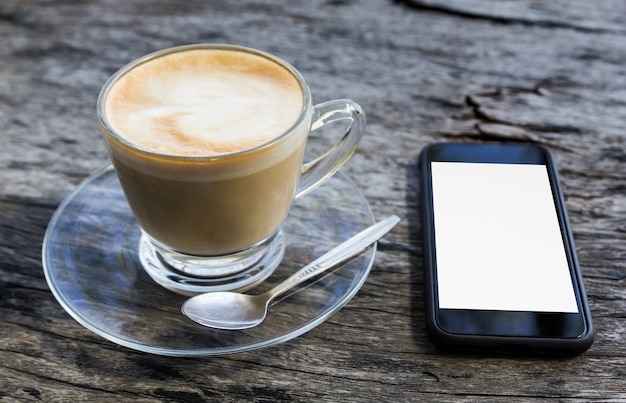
91,264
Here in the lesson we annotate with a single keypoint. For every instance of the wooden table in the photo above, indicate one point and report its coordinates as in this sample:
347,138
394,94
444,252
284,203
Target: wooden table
543,72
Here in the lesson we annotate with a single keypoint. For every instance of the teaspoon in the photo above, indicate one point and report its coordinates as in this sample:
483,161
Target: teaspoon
235,311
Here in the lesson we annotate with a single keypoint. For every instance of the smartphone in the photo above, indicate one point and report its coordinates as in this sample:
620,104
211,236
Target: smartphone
501,268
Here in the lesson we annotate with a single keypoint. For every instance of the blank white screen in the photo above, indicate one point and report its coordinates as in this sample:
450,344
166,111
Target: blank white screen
498,241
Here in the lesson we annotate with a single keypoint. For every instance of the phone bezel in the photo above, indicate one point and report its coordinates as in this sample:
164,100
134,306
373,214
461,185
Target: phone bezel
549,332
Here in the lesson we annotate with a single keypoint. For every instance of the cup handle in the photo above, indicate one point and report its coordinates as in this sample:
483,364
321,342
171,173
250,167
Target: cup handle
319,170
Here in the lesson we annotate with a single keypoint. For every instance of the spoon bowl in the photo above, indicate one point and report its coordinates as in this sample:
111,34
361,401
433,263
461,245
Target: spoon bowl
229,310
235,311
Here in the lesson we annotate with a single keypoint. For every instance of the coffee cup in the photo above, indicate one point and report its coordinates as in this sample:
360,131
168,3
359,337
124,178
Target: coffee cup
208,143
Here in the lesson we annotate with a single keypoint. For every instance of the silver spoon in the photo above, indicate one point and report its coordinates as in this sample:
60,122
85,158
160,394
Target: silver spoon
234,311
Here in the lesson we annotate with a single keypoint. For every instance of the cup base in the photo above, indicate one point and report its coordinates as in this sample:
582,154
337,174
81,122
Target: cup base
191,275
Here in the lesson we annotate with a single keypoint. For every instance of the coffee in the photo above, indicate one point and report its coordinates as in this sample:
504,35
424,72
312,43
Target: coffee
200,146
204,103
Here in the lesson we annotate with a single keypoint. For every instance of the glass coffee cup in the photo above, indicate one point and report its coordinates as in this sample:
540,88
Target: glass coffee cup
208,143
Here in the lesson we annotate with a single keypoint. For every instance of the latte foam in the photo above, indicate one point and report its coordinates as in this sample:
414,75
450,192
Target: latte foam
204,102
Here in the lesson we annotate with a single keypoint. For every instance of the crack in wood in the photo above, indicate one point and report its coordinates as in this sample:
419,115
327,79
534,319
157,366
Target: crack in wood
499,19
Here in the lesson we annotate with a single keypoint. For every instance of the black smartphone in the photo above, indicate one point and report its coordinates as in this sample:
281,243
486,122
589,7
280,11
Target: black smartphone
501,268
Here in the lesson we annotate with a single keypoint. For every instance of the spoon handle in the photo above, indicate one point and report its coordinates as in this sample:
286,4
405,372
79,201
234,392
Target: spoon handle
344,251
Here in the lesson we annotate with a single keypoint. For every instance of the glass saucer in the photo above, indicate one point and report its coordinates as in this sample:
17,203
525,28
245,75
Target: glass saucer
91,264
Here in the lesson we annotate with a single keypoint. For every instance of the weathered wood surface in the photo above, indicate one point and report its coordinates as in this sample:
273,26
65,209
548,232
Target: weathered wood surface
547,72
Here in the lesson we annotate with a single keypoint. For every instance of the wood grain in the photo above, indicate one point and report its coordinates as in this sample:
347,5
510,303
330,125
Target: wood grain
543,72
